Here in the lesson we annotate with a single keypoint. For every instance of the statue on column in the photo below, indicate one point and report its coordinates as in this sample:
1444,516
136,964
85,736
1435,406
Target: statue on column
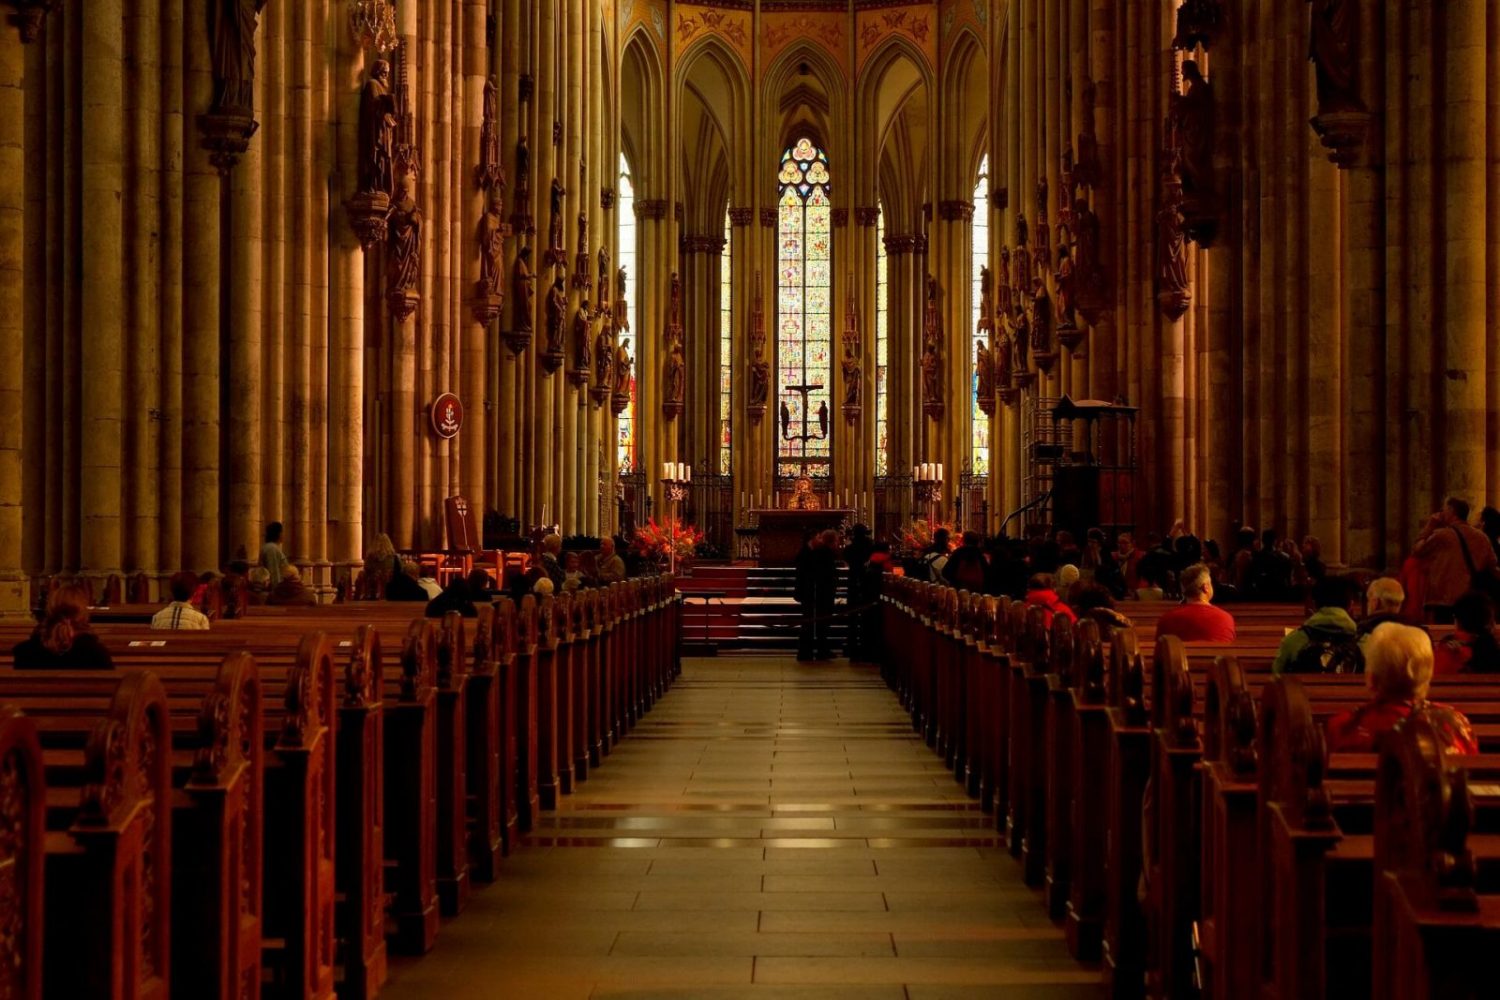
521,286
582,344
853,383
1041,325
377,131
932,397
603,278
557,310
232,24
581,262
1172,292
676,382
760,383
620,399
931,322
622,305
984,373
1086,167
555,252
986,305
1333,49
604,357
491,251
674,302
521,215
403,251
1003,360
1194,111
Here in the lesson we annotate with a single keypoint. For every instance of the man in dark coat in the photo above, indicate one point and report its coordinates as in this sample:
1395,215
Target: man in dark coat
817,581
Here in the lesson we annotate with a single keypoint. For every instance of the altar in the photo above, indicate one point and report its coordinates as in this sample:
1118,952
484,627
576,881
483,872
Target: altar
782,531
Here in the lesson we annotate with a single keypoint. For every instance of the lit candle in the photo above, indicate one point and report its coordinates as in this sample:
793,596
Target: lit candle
687,472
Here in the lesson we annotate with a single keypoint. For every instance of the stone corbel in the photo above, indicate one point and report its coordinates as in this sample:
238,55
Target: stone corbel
226,135
29,15
956,210
1342,133
651,209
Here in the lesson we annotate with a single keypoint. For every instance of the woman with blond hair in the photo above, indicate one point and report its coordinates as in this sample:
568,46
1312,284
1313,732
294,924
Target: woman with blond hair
382,564
63,641
1398,670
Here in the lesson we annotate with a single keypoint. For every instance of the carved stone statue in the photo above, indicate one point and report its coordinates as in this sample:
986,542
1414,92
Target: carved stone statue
984,369
1021,324
674,300
523,179
1066,274
760,382
986,306
604,357
676,376
1195,125
823,419
931,391
603,277
853,377
1334,53
1004,302
404,241
583,339
1041,317
622,368
555,251
786,420
1171,274
931,324
491,249
377,130
522,288
557,309
1003,359
232,25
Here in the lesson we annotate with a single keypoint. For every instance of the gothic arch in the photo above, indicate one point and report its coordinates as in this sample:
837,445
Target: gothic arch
818,108
712,106
894,114
642,130
966,99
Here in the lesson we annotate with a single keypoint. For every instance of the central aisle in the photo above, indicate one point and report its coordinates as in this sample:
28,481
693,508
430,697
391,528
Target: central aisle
770,829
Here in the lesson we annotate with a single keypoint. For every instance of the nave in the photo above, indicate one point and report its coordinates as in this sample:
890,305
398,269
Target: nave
770,829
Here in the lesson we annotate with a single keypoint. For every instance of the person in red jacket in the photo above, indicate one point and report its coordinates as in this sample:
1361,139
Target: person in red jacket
1041,592
1197,620
1398,669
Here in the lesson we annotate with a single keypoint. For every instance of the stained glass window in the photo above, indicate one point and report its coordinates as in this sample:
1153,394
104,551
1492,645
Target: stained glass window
804,329
625,209
726,351
882,350
980,451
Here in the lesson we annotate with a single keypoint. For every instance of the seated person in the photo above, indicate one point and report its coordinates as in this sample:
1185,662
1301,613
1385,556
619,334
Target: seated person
404,586
1398,669
1093,600
430,586
1197,620
454,597
291,592
572,572
551,560
1383,599
259,582
481,587
1041,592
1325,643
180,613
1472,647
610,567
966,568
63,641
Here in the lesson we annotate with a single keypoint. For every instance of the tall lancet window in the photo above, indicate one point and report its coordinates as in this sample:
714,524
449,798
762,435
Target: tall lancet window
726,349
804,330
882,349
979,456
625,213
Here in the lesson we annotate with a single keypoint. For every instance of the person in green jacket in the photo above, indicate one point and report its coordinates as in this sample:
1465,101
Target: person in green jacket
1331,623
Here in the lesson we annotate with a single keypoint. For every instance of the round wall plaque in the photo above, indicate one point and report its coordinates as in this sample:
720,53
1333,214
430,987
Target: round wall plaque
447,415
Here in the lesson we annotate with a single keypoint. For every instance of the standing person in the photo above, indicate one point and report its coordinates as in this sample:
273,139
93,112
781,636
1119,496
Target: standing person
817,577
180,613
1452,553
857,556
936,556
63,641
1197,620
271,555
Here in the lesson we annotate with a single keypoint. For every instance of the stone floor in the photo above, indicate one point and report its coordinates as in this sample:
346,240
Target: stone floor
772,830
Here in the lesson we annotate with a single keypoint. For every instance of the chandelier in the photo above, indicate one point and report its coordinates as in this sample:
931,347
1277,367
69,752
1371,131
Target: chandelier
373,24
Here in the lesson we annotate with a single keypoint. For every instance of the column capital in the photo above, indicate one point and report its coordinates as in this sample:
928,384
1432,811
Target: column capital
840,218
29,14
866,215
654,209
703,244
956,210
741,216
1000,198
768,218
607,199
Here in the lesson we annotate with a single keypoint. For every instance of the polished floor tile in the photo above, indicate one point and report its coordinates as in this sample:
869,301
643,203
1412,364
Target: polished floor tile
769,831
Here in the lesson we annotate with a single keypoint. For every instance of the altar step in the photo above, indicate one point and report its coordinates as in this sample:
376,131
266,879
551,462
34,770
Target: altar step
743,608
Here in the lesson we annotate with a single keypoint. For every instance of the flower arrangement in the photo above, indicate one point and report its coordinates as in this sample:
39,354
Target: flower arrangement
917,536
656,542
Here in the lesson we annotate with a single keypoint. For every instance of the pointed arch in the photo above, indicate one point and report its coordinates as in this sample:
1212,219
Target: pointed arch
804,71
712,89
894,115
642,128
966,100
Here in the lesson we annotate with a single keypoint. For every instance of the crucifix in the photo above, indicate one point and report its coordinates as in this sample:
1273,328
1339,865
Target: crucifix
786,416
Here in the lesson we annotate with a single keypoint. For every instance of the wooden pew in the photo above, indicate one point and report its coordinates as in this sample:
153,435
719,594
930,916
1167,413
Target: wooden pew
410,773
449,722
23,793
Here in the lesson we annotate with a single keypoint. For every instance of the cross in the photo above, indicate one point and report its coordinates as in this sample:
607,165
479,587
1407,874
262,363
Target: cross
806,434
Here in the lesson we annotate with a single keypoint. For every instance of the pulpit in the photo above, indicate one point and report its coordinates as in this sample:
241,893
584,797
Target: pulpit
782,531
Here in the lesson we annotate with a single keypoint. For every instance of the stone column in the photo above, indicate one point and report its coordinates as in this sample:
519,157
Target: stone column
247,347
1464,269
347,322
13,347
476,322
102,286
